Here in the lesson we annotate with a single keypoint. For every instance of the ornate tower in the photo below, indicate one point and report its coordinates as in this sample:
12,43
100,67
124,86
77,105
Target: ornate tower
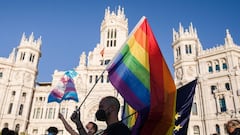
186,47
114,30
21,83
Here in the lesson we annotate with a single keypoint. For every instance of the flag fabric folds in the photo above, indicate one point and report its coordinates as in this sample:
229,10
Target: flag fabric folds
65,89
184,102
140,74
129,115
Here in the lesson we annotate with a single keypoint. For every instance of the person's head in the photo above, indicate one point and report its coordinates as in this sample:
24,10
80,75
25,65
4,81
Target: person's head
92,128
108,109
52,131
232,125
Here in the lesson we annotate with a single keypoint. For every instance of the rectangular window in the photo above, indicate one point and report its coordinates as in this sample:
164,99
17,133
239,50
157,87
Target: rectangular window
102,79
20,109
108,43
190,49
114,44
186,49
107,79
213,88
90,79
194,109
38,113
222,104
34,111
10,108
107,61
1,75
217,68
31,59
96,79
50,113
22,56
24,94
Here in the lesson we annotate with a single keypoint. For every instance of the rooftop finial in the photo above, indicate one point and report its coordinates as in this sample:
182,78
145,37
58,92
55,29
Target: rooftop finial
228,38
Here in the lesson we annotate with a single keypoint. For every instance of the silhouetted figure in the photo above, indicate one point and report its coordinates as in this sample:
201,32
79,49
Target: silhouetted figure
52,131
5,131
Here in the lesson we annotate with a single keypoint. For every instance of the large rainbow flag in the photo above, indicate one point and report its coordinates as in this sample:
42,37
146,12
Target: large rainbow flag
141,75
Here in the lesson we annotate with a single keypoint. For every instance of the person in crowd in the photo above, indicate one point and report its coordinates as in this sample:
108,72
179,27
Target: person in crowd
52,131
108,111
233,127
5,131
91,127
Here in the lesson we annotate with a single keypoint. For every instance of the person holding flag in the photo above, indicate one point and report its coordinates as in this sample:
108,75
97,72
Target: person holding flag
108,111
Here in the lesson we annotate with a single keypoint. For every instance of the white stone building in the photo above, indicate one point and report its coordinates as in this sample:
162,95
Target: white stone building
24,104
217,97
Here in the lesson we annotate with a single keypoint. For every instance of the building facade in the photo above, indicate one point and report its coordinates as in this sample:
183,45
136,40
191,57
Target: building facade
18,75
24,105
217,96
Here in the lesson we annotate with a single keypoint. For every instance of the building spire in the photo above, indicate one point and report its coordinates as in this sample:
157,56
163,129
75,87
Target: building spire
228,38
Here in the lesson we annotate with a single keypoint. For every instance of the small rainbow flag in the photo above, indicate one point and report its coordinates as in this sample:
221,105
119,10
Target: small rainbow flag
140,74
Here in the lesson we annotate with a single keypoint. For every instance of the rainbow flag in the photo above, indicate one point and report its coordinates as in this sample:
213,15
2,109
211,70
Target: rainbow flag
141,75
129,115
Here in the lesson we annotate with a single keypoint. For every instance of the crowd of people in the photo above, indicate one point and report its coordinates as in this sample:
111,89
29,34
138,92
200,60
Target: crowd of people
108,111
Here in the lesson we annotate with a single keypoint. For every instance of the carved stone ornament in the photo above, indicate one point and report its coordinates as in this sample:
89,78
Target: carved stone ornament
179,74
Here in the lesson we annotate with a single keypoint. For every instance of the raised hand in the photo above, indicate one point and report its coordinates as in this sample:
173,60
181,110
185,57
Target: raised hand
75,117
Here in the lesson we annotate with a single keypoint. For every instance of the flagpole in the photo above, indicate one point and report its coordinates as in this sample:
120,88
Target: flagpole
129,116
91,89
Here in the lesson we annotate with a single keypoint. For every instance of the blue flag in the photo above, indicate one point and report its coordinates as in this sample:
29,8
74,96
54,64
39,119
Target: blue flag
184,102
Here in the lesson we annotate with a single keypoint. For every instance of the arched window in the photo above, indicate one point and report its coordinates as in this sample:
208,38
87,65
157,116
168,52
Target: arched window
224,64
210,69
196,130
217,67
227,86
213,88
178,51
